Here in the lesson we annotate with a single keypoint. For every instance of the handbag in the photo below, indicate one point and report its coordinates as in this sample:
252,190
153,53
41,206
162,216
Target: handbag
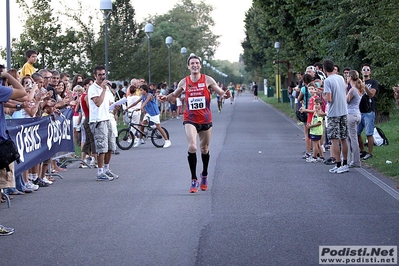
303,117
8,153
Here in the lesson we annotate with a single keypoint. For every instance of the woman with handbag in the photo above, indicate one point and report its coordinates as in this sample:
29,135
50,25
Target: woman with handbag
15,92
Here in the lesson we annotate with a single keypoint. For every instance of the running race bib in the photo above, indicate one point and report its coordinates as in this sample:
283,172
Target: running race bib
196,103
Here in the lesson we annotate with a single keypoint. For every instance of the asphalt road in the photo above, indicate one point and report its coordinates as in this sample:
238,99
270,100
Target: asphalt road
265,205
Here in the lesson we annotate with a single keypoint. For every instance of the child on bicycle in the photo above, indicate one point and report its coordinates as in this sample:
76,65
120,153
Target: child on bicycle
150,106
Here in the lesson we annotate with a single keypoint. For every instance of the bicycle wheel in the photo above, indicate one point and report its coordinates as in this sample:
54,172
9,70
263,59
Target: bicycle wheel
157,139
125,139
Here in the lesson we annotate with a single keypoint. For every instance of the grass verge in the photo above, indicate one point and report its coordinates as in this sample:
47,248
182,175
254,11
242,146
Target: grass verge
380,154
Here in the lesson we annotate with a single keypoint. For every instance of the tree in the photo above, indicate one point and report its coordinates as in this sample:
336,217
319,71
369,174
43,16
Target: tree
311,31
124,41
43,32
189,24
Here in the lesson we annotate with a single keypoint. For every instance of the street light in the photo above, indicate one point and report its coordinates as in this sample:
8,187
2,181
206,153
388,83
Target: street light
278,81
106,8
183,52
149,30
169,42
8,34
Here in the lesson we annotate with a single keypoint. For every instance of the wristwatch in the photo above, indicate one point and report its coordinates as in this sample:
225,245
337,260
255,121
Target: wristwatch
18,107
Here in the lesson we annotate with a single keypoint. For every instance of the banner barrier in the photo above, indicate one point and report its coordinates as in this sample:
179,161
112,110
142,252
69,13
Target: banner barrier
39,139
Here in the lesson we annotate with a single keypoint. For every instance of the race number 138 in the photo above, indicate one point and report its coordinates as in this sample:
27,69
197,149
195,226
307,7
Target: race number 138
197,103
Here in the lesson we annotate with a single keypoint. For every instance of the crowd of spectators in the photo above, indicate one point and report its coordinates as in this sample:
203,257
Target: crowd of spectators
50,91
339,108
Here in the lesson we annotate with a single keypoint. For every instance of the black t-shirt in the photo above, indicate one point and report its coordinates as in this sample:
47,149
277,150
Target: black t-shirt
372,84
50,88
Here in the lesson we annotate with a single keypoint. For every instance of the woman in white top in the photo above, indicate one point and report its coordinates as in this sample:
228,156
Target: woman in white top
354,116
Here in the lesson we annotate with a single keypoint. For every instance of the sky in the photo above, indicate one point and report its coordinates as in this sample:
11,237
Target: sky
228,17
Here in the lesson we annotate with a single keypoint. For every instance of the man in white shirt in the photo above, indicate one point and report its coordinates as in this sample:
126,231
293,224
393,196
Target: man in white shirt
100,123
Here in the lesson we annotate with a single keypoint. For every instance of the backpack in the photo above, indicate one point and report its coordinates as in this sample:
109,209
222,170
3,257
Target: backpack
379,137
365,104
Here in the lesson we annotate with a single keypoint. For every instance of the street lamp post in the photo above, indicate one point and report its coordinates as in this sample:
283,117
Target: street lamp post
149,30
106,8
183,52
278,81
8,34
169,42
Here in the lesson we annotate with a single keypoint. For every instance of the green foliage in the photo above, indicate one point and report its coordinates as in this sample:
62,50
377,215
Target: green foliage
43,32
123,41
78,47
187,23
311,31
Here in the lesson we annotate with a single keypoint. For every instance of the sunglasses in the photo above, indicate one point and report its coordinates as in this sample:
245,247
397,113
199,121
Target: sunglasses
366,69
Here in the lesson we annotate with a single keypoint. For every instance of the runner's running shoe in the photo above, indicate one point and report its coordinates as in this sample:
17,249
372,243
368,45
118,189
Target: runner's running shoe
204,183
194,186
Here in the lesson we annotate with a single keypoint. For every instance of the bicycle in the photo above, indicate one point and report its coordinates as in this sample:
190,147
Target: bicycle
126,137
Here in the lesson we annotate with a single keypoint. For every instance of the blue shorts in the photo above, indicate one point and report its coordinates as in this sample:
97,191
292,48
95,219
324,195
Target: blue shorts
314,137
366,123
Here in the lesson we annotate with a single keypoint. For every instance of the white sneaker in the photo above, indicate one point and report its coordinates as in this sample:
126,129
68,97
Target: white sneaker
136,143
93,162
129,141
333,170
311,160
142,141
30,185
167,144
45,180
343,169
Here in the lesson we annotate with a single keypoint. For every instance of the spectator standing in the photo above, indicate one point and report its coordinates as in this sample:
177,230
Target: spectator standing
100,124
316,132
367,108
64,77
133,115
7,93
89,145
255,90
291,94
353,98
46,74
304,99
337,125
28,69
53,83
